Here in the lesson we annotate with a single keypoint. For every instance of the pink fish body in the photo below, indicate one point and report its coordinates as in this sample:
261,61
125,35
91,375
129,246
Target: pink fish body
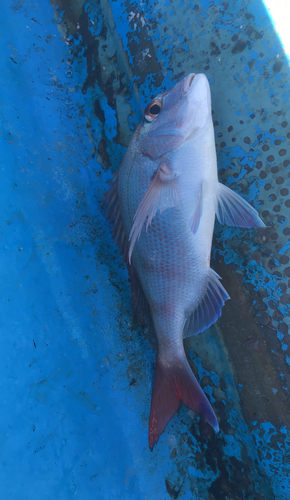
164,200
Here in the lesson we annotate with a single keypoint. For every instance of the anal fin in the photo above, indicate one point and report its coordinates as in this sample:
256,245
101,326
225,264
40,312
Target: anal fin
209,308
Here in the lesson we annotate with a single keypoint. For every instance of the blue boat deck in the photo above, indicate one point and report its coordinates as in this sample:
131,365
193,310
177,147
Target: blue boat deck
75,371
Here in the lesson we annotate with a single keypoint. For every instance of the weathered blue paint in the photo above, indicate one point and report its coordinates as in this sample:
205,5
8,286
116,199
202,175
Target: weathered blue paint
69,425
75,372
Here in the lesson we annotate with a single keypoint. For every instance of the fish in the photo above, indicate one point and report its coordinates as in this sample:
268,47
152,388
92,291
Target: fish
163,202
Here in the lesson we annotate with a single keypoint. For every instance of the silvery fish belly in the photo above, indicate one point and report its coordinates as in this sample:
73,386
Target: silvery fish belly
163,202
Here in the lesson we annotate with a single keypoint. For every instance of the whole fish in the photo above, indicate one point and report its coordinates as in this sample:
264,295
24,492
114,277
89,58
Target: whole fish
163,202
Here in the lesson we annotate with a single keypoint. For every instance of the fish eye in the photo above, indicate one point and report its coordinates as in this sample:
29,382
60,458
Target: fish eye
155,109
152,111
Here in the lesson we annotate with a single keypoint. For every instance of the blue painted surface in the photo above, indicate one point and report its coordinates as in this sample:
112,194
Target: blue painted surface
75,372
69,425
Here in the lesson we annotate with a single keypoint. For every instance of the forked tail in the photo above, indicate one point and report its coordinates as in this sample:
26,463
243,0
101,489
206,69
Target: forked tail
175,382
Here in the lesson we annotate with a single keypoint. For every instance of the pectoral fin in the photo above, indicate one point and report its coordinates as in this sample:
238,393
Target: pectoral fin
233,210
194,223
161,194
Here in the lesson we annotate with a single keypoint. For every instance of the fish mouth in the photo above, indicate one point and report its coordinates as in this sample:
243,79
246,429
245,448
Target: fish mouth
187,83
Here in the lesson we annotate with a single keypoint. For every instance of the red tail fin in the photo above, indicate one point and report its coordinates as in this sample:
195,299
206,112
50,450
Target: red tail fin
174,383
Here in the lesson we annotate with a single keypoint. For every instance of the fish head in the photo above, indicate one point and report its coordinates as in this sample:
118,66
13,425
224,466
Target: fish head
175,116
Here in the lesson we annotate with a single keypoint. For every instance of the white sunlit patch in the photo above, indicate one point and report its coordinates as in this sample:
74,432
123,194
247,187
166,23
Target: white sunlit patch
145,53
279,11
136,16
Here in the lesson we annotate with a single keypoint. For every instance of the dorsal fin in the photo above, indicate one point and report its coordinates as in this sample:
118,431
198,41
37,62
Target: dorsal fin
139,303
140,307
209,308
114,215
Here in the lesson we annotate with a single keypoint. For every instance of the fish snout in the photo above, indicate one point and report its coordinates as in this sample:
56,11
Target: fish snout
187,81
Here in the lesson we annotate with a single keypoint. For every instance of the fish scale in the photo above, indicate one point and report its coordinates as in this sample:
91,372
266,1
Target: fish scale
174,262
164,200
